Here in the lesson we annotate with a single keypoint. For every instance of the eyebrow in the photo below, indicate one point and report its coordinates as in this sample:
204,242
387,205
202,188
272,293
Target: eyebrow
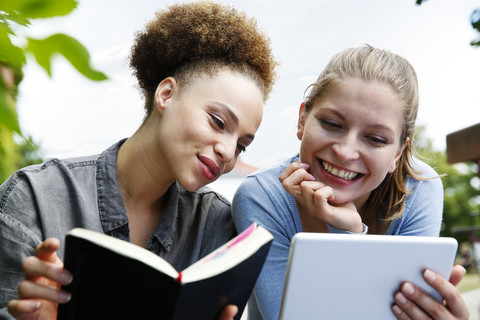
232,115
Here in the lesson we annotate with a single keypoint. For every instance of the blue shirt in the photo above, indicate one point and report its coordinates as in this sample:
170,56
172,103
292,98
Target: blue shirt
262,198
49,199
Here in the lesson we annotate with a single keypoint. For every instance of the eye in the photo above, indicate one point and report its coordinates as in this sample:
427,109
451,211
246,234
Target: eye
217,121
330,124
377,140
241,148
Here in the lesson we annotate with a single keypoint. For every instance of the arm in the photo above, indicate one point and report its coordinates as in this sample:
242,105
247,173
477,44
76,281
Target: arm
17,242
267,203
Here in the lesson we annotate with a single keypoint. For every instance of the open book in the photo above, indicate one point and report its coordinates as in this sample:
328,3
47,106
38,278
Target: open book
115,279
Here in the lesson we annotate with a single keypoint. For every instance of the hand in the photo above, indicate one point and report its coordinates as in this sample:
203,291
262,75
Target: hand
413,303
314,197
228,312
40,292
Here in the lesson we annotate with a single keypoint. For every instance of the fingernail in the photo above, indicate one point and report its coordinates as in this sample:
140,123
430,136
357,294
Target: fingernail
400,298
305,165
408,289
64,296
34,305
397,310
66,277
429,276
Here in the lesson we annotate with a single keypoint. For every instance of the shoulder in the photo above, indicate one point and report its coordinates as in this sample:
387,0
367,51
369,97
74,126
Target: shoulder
265,179
50,173
424,203
429,181
262,198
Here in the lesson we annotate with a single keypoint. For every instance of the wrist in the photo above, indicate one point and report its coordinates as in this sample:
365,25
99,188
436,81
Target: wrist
363,229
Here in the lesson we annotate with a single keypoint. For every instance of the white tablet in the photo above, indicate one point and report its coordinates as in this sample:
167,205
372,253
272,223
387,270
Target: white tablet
345,276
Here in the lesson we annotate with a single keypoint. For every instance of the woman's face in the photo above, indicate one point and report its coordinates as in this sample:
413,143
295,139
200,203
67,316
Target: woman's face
351,138
205,125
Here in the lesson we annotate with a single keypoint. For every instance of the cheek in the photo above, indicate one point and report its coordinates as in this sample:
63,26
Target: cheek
230,166
312,142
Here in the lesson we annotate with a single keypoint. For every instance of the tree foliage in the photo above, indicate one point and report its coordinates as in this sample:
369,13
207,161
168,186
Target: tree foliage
15,155
16,48
17,14
461,193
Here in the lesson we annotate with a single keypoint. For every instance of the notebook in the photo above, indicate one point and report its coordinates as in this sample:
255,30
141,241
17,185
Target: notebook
345,276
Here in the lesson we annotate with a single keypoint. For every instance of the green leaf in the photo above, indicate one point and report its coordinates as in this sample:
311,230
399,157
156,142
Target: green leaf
8,116
17,18
39,8
70,48
10,54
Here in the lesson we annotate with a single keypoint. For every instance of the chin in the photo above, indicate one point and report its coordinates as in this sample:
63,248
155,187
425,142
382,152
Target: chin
191,186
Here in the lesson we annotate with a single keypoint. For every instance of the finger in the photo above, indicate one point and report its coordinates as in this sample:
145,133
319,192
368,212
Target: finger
454,301
457,274
292,167
228,312
47,250
324,194
31,290
315,200
20,309
399,314
409,310
293,181
34,268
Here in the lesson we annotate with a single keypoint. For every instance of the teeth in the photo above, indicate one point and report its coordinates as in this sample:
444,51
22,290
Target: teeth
346,175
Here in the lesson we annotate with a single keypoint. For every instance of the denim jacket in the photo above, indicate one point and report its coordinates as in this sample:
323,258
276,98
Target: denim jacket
49,199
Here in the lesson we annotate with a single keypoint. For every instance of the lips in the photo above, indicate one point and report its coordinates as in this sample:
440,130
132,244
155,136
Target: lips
339,172
208,167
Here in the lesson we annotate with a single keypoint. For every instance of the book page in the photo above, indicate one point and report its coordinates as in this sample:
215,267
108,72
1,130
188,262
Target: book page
230,254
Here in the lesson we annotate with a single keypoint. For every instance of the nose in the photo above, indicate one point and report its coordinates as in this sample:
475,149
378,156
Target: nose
226,149
347,148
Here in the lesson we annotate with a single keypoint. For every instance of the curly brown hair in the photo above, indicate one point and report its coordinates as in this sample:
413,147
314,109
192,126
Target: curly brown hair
200,37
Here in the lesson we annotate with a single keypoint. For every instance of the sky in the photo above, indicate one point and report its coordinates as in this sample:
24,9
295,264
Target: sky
72,116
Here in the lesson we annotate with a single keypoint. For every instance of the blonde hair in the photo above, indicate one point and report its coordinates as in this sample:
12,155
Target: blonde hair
371,64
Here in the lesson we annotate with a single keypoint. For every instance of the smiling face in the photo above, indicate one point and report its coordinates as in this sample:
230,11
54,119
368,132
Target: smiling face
351,137
202,127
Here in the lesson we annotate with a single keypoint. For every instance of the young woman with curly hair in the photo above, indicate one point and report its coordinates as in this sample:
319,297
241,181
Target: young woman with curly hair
205,71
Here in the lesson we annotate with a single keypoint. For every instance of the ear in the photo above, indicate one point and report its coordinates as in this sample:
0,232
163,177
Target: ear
301,121
164,93
393,166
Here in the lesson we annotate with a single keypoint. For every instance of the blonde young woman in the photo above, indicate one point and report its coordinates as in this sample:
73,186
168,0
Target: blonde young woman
355,173
205,71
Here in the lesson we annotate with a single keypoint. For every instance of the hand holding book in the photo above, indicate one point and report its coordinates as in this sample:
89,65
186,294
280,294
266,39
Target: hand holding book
40,292
233,267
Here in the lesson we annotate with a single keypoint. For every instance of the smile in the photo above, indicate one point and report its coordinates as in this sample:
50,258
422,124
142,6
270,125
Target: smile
208,167
341,173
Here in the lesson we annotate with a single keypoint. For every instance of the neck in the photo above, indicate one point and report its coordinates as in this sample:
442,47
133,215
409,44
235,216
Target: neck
140,177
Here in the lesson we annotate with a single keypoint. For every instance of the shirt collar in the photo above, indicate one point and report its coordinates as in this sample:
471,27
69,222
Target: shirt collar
110,203
112,209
